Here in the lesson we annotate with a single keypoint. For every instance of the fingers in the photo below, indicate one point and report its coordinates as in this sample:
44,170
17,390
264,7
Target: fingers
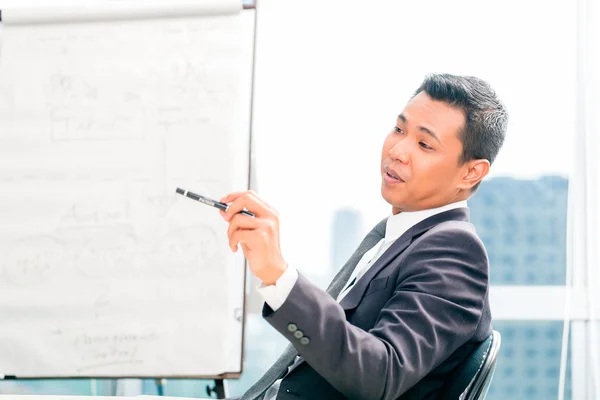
246,200
244,237
242,222
254,229
233,196
261,231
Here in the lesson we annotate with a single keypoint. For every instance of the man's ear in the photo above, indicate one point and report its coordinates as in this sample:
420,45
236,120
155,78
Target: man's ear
474,172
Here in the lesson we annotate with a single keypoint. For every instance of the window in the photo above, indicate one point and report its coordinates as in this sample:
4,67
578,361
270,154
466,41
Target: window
529,361
519,210
328,99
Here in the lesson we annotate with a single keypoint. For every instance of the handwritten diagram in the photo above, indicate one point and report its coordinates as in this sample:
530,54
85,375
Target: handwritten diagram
105,254
34,261
100,347
185,251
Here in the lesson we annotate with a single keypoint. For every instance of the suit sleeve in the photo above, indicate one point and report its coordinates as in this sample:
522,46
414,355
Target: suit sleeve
434,310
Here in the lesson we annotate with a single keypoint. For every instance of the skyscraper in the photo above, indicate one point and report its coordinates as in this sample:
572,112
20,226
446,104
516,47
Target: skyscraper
347,232
523,224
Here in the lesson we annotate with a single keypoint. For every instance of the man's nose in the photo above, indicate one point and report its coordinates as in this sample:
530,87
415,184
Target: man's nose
400,152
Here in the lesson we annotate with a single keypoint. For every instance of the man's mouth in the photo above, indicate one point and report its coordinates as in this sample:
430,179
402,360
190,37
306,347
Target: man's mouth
392,176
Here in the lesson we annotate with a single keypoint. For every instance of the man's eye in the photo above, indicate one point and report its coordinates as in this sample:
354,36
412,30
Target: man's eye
425,146
398,130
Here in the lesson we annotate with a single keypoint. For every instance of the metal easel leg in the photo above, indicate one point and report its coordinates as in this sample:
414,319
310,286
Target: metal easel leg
160,386
218,389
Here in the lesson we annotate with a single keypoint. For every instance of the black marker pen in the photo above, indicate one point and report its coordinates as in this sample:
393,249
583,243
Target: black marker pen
209,202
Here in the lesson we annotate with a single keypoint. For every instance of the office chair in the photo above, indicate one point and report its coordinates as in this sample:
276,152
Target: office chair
472,378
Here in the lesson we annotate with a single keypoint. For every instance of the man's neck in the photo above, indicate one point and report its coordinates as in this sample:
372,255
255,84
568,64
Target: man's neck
401,222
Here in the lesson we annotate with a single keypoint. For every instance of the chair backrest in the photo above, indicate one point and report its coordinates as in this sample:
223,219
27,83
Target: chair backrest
472,378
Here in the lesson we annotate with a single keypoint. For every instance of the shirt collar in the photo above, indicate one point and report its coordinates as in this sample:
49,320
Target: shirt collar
397,224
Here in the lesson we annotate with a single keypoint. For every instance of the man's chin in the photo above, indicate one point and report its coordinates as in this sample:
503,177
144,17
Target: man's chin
390,195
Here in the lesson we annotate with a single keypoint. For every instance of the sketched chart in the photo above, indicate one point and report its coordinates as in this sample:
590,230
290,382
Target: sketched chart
102,300
93,212
105,254
186,251
34,261
98,347
156,206
189,95
81,111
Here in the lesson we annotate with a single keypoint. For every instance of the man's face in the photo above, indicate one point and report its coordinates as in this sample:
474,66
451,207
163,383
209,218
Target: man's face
420,158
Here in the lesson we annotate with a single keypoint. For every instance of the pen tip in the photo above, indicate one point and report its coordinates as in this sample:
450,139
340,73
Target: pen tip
180,191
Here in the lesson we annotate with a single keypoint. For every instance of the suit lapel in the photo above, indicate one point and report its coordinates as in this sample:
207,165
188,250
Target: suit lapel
372,238
355,294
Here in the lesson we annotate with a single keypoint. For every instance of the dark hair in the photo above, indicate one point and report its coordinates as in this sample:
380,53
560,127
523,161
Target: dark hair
486,117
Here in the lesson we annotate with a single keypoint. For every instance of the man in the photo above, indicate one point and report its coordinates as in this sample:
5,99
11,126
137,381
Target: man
412,301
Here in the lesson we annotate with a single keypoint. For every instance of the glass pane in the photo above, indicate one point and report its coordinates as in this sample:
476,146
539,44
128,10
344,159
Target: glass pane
523,223
81,387
263,346
320,135
528,364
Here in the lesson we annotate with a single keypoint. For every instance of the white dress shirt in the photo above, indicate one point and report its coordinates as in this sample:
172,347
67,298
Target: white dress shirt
275,295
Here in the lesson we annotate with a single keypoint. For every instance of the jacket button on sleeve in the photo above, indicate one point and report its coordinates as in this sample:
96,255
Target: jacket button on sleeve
304,341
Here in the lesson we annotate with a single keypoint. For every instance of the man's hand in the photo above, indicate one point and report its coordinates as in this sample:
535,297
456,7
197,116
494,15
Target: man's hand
258,236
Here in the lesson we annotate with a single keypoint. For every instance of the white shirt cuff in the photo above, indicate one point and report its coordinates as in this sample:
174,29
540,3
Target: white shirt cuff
275,295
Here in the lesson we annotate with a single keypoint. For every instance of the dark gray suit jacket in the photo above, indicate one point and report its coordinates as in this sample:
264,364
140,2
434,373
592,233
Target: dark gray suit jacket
413,317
